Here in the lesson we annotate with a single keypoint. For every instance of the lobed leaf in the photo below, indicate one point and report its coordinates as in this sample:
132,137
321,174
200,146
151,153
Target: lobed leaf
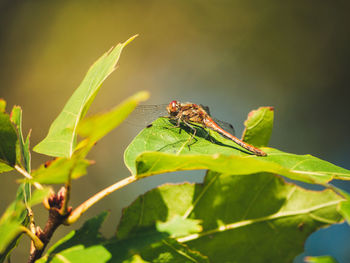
178,226
164,148
243,217
146,245
61,139
258,127
59,170
96,127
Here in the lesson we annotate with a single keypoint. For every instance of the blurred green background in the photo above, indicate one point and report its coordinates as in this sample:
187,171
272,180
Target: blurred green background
233,56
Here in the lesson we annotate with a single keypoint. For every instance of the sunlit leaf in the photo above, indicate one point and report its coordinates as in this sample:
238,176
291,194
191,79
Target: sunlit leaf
258,127
135,259
5,168
39,195
8,233
145,245
15,217
161,204
243,216
59,170
171,251
2,105
344,207
165,148
8,139
178,226
24,153
320,259
87,236
61,139
12,220
95,127
10,226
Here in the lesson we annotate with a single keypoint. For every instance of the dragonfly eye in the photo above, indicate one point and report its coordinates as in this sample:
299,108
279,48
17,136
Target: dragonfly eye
173,107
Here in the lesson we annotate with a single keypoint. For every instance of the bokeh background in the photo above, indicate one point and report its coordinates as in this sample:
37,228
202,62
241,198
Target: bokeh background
231,55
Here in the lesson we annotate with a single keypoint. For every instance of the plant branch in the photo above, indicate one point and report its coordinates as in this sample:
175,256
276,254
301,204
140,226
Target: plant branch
56,218
77,212
28,176
32,227
60,214
67,188
66,194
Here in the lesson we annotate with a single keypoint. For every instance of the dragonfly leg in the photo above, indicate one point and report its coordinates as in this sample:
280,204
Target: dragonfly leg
193,129
177,125
208,134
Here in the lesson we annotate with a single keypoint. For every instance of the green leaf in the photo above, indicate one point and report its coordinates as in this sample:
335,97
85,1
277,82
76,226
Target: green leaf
59,170
243,216
95,127
10,225
161,204
8,232
2,105
61,139
12,220
87,236
344,207
5,168
146,245
258,127
178,226
171,251
24,153
164,148
8,139
39,195
321,259
135,259
15,217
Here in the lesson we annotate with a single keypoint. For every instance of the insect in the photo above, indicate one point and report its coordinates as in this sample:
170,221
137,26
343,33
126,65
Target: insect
190,112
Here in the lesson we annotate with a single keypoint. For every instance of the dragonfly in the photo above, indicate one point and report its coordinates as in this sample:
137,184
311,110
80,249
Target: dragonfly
189,113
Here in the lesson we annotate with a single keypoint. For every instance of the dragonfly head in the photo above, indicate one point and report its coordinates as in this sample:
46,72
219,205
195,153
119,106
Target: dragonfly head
173,108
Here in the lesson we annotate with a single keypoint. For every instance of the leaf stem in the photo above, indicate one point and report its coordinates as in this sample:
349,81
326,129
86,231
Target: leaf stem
36,240
27,175
32,227
68,186
77,212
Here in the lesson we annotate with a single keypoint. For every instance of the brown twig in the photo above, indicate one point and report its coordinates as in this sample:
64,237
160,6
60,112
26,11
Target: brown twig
60,214
56,218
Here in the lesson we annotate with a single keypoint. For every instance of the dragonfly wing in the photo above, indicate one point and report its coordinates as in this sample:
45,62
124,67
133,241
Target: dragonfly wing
225,126
206,108
144,115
